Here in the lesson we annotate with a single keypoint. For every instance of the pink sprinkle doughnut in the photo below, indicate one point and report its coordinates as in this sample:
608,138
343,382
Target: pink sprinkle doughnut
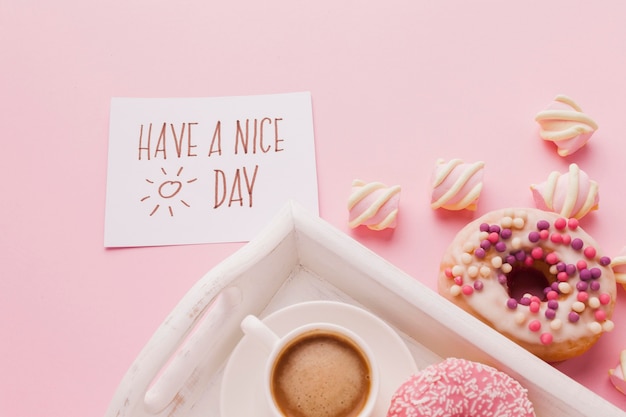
460,388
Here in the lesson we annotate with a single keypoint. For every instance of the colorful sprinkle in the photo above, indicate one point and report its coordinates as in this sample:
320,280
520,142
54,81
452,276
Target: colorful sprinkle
590,252
585,274
608,325
534,325
595,273
556,324
546,338
467,290
551,258
519,223
472,271
494,228
595,327
577,243
511,303
543,225
565,288
594,302
605,298
534,306
566,239
534,237
466,258
506,221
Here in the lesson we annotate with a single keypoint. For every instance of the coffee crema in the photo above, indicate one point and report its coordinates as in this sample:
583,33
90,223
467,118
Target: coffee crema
321,374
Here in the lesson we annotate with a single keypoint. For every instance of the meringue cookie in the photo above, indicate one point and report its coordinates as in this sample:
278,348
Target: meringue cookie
570,195
456,185
565,124
373,205
617,375
618,264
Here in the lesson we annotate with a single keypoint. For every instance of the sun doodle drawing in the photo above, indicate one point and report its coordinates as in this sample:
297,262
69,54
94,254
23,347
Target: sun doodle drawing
167,191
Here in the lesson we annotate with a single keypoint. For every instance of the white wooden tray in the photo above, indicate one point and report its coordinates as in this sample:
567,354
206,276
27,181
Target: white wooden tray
299,257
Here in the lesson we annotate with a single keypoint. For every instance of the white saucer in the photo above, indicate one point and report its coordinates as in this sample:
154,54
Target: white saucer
241,385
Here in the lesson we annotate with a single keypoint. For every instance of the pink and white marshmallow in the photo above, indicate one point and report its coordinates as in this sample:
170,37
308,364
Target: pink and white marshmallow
456,185
565,124
617,375
572,194
618,264
374,205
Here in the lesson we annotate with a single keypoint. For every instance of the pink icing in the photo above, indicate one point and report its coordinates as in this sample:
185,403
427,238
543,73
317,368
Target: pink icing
460,388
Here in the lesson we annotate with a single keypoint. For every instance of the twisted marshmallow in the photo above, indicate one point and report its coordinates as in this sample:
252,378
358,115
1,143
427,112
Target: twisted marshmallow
570,195
565,124
617,375
456,185
618,263
373,205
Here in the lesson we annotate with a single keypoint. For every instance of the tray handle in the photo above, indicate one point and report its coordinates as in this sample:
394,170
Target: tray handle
194,349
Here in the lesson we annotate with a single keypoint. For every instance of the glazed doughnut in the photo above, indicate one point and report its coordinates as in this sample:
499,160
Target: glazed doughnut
535,277
458,387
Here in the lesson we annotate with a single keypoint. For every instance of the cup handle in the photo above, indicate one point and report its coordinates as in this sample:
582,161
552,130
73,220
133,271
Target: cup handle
252,326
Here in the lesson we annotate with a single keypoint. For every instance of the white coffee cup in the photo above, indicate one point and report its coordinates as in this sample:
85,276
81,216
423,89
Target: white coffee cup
347,370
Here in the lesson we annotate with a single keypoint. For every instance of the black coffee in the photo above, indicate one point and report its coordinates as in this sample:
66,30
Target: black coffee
321,374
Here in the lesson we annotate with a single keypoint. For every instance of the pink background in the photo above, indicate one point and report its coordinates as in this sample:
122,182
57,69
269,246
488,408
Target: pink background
395,85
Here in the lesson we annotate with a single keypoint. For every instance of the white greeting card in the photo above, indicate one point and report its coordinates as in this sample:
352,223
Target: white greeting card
205,170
